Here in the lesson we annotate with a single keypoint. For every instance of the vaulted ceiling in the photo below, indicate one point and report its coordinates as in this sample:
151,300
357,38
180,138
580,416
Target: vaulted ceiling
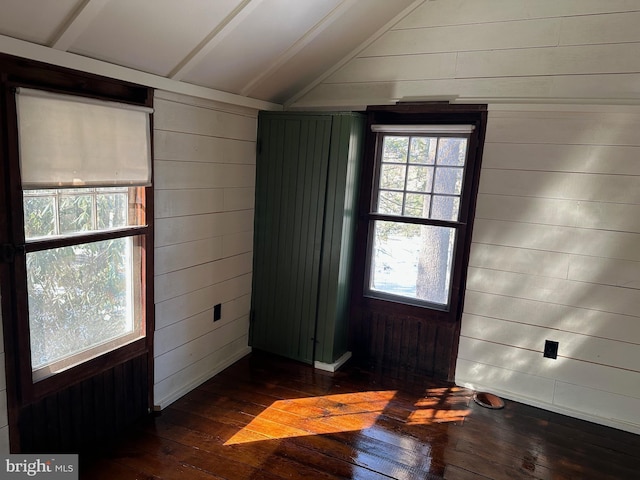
269,50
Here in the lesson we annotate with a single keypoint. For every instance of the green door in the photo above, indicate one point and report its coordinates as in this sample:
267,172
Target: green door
291,178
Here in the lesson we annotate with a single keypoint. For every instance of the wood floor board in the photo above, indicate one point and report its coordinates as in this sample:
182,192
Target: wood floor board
453,472
586,448
189,457
509,459
399,405
273,419
569,455
590,433
314,426
302,446
322,446
376,458
488,467
208,436
108,469
221,463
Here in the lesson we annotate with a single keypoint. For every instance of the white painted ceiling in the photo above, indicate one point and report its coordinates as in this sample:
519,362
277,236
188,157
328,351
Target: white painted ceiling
269,50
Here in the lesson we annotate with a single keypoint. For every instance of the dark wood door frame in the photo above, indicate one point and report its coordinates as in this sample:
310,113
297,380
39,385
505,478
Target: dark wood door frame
398,337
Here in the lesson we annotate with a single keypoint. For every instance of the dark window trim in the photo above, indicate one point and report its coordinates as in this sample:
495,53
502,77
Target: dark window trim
412,114
21,390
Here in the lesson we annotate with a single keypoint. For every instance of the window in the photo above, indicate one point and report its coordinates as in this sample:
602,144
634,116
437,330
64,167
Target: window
76,254
415,212
84,298
84,168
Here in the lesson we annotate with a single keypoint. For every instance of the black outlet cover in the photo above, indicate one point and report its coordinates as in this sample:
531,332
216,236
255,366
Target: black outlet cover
550,349
217,312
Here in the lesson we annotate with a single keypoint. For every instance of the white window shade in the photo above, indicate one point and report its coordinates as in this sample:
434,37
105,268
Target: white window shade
68,141
427,129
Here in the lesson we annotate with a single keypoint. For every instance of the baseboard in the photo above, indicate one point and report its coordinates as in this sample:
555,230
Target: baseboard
169,399
332,367
607,422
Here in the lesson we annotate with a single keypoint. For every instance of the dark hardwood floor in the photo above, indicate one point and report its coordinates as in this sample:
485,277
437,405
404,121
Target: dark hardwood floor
273,419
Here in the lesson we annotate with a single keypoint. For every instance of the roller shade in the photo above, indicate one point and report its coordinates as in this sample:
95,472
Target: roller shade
434,129
70,141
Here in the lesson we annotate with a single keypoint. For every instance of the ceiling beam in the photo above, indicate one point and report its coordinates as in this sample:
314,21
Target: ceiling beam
33,51
231,21
77,23
303,41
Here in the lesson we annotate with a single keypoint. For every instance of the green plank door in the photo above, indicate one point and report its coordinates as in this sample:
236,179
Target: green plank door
291,178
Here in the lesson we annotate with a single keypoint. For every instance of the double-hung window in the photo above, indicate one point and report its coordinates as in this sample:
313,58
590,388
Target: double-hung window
84,166
415,212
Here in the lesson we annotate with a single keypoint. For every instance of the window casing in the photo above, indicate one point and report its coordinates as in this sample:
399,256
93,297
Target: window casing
425,121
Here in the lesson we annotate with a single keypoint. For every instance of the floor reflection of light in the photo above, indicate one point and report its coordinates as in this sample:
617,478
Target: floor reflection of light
317,415
428,416
340,413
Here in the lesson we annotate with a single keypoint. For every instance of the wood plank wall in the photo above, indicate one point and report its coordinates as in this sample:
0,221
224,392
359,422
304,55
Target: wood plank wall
402,346
555,244
555,257
79,418
204,186
4,418
495,49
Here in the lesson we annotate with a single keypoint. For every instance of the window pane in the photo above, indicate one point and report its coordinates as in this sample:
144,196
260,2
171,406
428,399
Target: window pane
413,261
417,205
68,211
81,297
452,151
445,208
423,150
392,177
39,216
112,210
419,179
76,213
395,149
390,203
448,180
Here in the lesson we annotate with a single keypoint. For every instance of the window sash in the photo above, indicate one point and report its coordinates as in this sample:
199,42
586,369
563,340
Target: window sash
60,305
407,279
425,192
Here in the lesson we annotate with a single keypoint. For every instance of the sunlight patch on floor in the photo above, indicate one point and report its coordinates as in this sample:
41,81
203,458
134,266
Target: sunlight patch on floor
430,415
333,414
